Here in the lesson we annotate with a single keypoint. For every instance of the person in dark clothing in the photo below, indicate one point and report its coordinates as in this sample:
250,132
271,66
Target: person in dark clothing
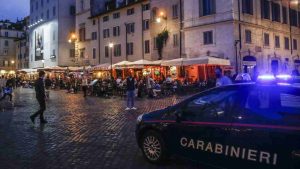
8,90
48,83
40,96
130,83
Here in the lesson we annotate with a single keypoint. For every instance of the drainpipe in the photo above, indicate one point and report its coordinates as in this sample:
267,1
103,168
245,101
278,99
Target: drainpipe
126,39
240,33
143,54
291,40
99,41
181,29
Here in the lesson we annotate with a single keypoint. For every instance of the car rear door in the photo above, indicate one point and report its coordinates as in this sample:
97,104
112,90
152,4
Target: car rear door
265,134
202,132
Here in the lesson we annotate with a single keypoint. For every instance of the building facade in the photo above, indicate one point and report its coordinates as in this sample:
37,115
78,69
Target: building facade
9,33
126,25
250,33
86,42
22,47
51,25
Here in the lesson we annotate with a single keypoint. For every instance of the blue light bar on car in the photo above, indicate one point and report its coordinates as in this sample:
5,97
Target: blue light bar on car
266,77
284,77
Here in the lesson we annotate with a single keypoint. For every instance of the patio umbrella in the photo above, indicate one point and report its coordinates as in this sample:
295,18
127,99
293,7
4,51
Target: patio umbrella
144,62
104,66
123,64
196,61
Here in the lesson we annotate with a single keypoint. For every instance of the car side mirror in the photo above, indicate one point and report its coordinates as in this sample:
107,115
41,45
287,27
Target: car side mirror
179,115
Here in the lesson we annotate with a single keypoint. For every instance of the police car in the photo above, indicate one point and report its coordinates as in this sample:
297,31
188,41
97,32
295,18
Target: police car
251,125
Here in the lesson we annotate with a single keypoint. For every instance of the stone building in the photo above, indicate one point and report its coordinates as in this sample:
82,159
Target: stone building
125,24
250,33
22,47
51,25
9,33
86,44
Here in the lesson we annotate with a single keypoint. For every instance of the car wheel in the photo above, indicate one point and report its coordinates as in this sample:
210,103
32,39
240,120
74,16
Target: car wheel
153,147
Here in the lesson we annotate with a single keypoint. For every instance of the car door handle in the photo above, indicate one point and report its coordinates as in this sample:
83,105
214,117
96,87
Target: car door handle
296,154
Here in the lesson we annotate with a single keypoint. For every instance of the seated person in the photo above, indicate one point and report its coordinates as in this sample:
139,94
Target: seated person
156,88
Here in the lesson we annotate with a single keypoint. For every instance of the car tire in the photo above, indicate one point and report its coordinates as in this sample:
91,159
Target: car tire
153,147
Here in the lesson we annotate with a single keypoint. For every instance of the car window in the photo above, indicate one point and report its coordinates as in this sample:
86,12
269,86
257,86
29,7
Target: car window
271,105
212,106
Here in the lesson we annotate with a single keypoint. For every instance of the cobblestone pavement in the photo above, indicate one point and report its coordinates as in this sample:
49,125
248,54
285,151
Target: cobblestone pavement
91,133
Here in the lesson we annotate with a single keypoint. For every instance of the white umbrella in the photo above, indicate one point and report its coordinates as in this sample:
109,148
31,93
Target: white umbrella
144,62
196,61
123,64
104,66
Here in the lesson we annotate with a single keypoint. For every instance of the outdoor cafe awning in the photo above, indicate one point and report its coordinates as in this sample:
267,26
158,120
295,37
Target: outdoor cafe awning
54,68
28,70
104,66
139,64
144,62
122,65
196,61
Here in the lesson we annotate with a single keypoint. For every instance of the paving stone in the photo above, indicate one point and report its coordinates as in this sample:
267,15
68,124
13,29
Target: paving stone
82,133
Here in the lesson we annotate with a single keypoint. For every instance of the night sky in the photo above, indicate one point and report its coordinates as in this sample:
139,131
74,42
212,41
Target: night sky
13,9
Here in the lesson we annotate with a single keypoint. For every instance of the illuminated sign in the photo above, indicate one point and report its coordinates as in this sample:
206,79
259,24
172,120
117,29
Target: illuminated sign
39,45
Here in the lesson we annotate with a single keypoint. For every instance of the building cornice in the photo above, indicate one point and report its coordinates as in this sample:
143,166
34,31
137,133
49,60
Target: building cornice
117,9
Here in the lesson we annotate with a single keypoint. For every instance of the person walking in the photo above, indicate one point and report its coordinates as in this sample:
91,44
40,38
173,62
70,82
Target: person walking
7,90
130,84
41,98
84,86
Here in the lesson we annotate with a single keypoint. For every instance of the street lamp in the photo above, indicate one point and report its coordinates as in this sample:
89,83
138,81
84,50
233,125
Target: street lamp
12,63
111,45
161,16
